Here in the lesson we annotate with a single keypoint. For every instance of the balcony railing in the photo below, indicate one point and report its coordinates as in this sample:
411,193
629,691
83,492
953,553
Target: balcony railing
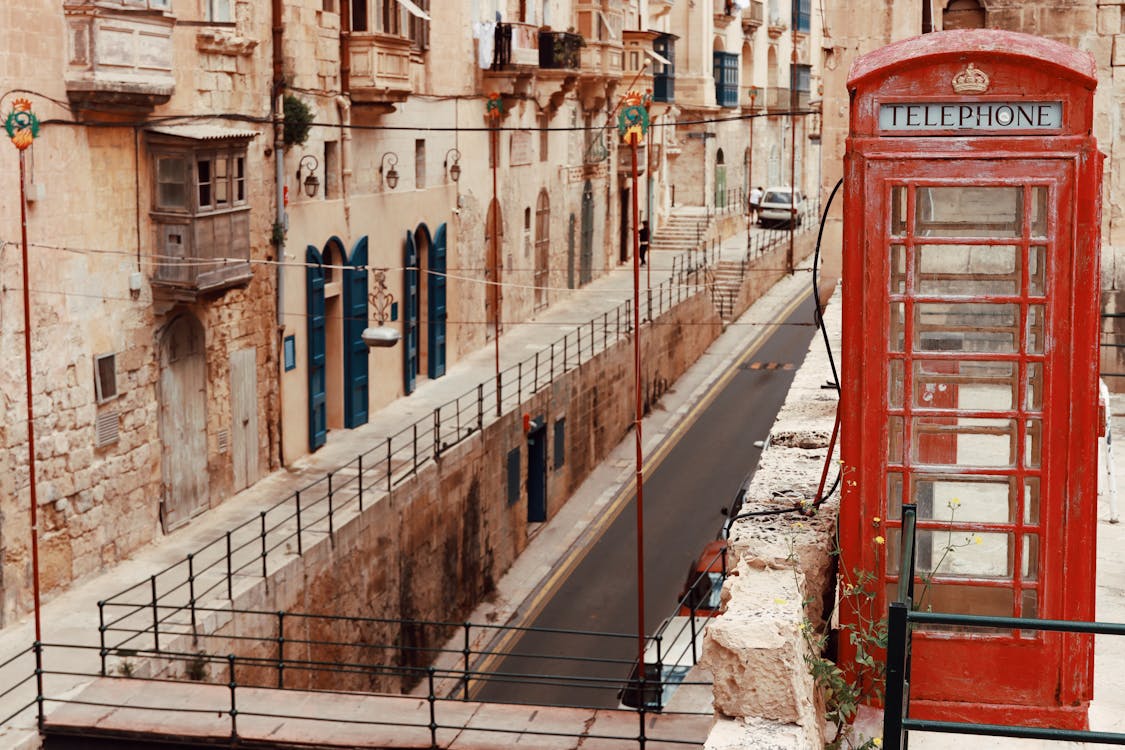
118,56
380,67
753,16
517,45
560,50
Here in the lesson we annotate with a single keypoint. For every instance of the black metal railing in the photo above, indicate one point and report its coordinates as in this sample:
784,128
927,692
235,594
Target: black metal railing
560,50
897,723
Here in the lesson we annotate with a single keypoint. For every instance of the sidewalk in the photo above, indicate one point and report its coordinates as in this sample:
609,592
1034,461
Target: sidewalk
72,617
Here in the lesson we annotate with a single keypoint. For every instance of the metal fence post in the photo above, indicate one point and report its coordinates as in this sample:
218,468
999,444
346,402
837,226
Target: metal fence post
414,428
437,433
897,649
39,699
191,589
390,482
359,478
101,636
155,618
432,699
467,651
300,546
519,382
331,525
232,684
263,537
281,649
480,406
230,582
535,387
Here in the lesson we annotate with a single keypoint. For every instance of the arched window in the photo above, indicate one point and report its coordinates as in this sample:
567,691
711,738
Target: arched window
963,14
542,247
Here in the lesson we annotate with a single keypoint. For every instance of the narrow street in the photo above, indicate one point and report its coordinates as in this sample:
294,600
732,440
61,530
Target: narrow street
682,501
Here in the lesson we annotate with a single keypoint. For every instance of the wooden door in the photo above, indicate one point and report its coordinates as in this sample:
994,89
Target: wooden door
316,324
244,417
436,309
410,307
355,351
183,422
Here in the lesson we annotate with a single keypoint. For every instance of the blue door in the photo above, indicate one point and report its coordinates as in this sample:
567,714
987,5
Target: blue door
537,472
314,301
355,351
435,305
586,260
410,305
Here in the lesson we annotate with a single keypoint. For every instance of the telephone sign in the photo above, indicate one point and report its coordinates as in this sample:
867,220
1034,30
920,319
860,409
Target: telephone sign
970,362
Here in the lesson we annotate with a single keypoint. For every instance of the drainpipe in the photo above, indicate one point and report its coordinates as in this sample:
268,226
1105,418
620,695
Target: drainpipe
277,105
344,108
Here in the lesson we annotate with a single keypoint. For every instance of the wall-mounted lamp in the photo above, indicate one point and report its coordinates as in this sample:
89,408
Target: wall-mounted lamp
312,183
391,177
454,167
380,335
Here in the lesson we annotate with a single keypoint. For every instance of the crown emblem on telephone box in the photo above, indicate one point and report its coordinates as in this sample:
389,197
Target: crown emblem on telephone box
971,80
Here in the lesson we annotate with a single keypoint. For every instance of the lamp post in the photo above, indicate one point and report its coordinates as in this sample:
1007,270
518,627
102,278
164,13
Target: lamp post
391,175
312,183
632,124
453,167
22,127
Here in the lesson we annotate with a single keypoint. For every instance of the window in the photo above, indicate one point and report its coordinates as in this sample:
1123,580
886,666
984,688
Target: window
802,75
220,180
418,28
544,137
171,183
725,70
359,15
664,76
105,377
331,170
801,16
219,11
542,248
390,17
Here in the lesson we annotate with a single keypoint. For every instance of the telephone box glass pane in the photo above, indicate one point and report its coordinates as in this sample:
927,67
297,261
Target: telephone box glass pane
894,440
964,441
966,327
951,270
898,269
1039,212
969,212
1031,500
896,336
1033,444
961,598
1029,568
1036,276
947,384
898,211
1035,315
1030,609
894,384
955,553
894,495
1033,401
964,499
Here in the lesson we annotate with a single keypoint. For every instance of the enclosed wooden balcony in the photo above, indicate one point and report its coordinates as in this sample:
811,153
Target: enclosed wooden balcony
753,17
602,28
202,254
119,55
380,67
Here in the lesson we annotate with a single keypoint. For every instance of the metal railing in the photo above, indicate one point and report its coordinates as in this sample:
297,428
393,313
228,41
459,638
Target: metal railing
897,723
268,539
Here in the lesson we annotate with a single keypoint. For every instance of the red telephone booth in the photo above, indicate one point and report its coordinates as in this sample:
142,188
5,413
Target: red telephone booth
970,350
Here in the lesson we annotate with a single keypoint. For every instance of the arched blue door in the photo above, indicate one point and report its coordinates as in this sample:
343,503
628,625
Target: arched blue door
355,351
436,305
314,302
410,306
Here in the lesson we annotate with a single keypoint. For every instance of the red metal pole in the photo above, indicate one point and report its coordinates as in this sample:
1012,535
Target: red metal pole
637,424
496,266
30,409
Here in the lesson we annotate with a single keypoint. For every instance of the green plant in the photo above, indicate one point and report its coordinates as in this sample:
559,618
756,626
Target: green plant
949,548
277,234
298,120
125,668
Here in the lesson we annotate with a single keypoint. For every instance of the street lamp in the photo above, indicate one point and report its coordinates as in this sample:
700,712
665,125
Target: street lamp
381,335
312,183
391,177
454,168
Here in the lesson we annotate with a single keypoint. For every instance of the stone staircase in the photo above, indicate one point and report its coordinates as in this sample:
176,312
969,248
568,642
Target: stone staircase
681,231
726,281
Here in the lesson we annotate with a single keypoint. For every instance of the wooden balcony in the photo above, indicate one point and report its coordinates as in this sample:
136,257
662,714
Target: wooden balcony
202,254
603,55
380,67
118,56
517,46
753,17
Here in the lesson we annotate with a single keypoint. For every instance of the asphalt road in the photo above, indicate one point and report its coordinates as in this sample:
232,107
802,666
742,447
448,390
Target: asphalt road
682,502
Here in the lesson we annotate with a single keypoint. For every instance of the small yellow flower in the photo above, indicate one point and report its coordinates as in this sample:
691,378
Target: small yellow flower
977,539
955,503
876,521
880,540
779,600
877,742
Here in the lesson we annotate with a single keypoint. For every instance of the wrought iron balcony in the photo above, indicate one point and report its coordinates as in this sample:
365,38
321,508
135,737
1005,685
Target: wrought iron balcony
560,50
380,67
119,54
517,46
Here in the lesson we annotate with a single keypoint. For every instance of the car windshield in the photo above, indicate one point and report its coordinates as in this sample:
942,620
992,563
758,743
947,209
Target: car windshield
776,196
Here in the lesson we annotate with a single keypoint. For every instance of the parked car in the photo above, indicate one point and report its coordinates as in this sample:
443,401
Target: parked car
704,584
781,205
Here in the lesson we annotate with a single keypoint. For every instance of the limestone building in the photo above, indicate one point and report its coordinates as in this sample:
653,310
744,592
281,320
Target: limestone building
225,193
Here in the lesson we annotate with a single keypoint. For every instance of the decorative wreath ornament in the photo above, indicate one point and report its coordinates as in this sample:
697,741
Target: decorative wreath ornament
21,124
632,123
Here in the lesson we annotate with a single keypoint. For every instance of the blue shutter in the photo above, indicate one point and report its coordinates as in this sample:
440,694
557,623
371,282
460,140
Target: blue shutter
314,301
410,304
355,351
436,304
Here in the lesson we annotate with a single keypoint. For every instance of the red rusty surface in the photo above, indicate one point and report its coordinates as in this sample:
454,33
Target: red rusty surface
1041,679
